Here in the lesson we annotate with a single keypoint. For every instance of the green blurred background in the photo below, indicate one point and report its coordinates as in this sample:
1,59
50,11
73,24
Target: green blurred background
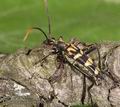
88,20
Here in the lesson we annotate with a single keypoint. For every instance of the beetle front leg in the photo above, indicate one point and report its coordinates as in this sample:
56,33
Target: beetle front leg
57,75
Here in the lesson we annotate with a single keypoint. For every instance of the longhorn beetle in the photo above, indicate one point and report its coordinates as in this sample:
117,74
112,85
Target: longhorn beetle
74,53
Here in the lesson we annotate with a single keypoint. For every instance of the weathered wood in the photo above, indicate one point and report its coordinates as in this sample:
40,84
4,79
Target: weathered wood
24,79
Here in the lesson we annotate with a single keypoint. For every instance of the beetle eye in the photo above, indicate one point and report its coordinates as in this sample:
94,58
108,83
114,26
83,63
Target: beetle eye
54,50
50,42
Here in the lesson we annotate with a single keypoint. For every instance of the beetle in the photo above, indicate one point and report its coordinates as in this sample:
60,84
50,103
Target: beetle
73,53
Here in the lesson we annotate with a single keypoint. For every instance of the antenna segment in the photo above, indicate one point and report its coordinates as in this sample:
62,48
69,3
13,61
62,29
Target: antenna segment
47,13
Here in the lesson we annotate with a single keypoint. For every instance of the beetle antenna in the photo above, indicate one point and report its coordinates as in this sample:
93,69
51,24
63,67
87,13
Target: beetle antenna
47,13
30,30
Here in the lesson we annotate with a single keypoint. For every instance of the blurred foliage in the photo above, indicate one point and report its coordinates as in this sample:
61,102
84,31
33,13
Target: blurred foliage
88,20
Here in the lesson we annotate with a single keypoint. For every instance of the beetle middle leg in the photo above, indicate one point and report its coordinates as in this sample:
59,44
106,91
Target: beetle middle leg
89,94
78,71
84,90
75,69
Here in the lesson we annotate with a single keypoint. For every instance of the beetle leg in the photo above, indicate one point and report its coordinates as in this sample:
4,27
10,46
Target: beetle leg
84,89
58,73
43,59
89,94
84,85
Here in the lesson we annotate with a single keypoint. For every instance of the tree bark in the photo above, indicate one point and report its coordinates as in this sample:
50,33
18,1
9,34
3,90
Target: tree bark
25,79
